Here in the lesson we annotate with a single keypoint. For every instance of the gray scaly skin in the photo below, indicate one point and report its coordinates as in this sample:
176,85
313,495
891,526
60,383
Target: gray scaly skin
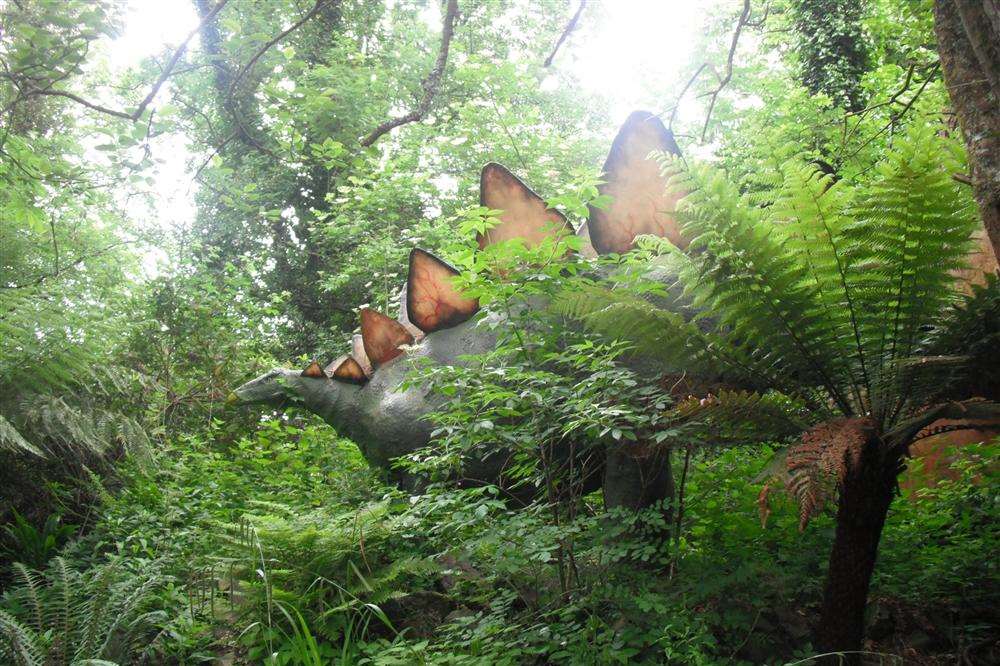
383,419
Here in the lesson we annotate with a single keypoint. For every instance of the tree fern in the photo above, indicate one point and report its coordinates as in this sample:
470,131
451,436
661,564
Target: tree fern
841,297
827,294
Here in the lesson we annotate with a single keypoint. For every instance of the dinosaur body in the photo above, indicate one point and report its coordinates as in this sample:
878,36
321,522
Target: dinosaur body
362,394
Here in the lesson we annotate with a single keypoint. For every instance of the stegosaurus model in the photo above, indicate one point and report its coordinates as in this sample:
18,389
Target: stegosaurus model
360,393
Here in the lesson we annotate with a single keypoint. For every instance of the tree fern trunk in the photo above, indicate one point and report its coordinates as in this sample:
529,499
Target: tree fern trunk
865,496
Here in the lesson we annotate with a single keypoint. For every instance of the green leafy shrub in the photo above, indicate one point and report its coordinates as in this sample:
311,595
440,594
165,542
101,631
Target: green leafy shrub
35,546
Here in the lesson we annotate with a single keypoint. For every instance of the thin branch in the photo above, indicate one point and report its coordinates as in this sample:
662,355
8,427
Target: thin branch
320,4
570,27
847,136
677,104
164,75
430,84
724,80
896,117
42,278
216,151
55,246
503,125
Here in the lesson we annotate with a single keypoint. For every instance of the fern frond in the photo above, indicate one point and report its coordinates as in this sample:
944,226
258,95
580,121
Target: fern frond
971,329
93,612
740,268
912,227
18,643
31,589
822,459
124,608
12,440
741,416
83,617
62,585
809,209
658,333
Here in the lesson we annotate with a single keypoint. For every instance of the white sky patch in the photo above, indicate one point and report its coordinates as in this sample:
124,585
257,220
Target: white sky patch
634,51
150,27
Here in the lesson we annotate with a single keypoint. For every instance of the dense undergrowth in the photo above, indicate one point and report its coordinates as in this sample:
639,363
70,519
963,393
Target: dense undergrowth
286,548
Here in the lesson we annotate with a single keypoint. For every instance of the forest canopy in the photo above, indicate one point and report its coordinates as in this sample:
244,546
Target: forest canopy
500,332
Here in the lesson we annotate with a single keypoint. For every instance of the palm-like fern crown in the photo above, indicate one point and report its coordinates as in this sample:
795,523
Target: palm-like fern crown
831,295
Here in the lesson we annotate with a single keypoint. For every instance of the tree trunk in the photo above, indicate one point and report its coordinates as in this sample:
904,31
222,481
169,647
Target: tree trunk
968,35
865,496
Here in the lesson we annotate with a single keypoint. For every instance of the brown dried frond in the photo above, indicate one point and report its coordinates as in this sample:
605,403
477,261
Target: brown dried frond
764,504
730,402
821,461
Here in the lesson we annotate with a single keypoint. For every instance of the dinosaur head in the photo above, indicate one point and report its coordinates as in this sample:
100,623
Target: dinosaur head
272,388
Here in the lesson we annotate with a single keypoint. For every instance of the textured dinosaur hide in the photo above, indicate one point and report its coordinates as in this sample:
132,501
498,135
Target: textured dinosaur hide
524,215
640,204
382,337
404,314
432,301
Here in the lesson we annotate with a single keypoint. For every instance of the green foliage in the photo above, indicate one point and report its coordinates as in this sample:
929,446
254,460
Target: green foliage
65,267
831,48
289,189
953,513
35,546
62,616
235,537
972,329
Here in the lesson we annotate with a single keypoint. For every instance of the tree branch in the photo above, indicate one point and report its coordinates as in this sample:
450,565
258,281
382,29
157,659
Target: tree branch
320,4
570,27
893,118
45,276
164,75
430,83
677,104
724,80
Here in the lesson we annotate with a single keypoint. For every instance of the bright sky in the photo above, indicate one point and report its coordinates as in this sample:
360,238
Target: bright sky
624,49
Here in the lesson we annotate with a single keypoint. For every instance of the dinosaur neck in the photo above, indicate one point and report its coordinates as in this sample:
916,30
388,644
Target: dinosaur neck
334,402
